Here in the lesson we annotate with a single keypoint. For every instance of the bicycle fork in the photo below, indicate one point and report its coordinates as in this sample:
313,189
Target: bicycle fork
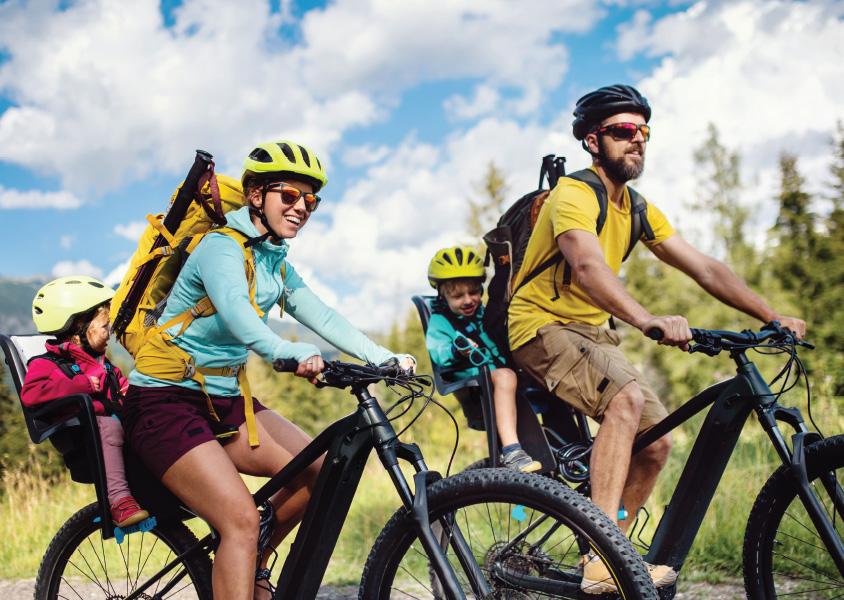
390,450
795,460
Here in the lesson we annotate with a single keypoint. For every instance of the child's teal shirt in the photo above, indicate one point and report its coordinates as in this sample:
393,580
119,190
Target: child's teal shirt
440,342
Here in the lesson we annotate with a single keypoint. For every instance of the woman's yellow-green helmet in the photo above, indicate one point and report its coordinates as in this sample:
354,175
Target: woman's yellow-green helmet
272,161
60,301
457,262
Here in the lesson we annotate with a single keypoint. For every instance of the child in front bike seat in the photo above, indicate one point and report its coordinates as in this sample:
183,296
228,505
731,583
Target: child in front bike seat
76,309
456,338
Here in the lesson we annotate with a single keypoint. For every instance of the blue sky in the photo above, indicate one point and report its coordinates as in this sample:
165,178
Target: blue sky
102,104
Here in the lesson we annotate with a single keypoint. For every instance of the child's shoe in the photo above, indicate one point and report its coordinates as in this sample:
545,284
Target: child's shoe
126,511
519,460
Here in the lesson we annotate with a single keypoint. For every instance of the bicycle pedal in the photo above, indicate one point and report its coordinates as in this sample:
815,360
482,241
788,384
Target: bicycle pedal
147,524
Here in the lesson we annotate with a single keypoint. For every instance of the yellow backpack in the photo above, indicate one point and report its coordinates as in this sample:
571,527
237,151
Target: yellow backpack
155,354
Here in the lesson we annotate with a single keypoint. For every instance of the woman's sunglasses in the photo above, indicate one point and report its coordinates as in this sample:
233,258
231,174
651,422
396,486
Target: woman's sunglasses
290,195
626,131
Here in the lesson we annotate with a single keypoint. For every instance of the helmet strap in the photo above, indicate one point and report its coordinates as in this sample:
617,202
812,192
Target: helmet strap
259,212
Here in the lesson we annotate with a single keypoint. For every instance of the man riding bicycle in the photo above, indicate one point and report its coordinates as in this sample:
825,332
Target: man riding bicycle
560,320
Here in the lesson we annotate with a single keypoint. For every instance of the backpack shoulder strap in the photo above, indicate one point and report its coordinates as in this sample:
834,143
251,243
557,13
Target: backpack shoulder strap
248,261
639,225
65,365
590,178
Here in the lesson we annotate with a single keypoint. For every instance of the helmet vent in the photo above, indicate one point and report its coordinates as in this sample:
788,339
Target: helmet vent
318,164
261,155
470,257
73,281
96,284
447,259
288,151
459,254
305,156
37,310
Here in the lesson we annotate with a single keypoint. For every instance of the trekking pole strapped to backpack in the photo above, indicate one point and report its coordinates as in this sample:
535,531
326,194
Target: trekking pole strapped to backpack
200,173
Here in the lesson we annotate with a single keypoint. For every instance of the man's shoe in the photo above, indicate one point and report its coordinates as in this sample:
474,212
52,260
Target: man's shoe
596,576
662,575
519,460
126,511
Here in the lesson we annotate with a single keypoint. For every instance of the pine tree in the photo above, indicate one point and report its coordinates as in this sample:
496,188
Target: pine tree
484,212
828,330
795,257
719,180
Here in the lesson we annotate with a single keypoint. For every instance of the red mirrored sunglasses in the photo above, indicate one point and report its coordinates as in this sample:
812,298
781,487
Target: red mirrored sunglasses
290,195
626,131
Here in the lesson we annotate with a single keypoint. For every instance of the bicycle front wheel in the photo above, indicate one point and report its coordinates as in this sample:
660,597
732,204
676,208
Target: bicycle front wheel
783,554
526,533
79,563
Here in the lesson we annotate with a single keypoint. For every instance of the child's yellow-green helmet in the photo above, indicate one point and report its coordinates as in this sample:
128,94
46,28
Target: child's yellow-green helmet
457,262
60,301
271,161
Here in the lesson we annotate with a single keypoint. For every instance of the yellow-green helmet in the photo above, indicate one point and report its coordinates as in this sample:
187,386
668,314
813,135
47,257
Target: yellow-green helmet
457,262
272,161
59,302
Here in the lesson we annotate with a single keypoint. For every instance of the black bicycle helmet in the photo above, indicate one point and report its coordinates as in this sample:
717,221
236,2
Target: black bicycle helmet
610,100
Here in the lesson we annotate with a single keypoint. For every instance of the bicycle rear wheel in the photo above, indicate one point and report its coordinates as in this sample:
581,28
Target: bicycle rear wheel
80,564
783,553
524,531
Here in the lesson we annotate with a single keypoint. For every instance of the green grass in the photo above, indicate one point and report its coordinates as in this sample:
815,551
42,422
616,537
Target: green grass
32,509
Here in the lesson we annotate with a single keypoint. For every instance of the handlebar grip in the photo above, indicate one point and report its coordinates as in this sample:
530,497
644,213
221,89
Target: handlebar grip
654,333
286,365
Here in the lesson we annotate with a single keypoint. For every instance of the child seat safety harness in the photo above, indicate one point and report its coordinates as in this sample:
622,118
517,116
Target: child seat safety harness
108,396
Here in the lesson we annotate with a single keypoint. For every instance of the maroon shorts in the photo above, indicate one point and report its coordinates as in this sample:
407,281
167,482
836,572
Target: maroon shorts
163,423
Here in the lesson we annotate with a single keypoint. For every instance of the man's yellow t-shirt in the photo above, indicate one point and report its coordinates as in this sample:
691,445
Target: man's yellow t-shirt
571,205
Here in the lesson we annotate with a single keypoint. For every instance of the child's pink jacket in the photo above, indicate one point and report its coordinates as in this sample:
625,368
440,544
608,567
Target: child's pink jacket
45,381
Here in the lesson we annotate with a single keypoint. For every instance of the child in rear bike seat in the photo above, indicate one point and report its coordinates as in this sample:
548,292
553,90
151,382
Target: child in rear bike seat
456,338
76,310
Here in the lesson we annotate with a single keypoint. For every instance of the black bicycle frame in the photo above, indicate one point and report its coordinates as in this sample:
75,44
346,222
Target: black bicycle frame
733,400
347,444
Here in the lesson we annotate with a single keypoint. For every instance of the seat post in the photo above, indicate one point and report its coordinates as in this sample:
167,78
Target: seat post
488,408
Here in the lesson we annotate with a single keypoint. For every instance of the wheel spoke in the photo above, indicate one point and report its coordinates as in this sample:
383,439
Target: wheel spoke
77,564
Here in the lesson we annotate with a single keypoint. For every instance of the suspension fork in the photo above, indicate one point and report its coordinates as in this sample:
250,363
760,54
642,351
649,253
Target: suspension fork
389,451
795,460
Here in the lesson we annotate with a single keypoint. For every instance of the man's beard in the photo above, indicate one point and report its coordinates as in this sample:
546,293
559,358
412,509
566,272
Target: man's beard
623,168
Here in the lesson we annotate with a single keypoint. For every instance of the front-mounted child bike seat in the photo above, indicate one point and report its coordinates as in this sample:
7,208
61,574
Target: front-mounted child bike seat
475,395
467,391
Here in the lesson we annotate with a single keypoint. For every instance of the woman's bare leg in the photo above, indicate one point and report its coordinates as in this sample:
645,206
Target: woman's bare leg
208,482
281,440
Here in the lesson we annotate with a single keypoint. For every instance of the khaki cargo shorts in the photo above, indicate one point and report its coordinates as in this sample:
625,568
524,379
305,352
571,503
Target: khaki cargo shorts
583,366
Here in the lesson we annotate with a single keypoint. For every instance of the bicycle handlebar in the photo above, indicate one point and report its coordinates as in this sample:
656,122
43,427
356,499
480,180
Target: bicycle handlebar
344,374
714,341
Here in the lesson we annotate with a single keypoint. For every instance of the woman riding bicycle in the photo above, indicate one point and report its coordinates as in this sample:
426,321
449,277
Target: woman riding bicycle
197,434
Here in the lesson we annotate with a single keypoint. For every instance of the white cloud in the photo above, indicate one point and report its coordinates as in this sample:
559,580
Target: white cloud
223,77
37,200
115,276
65,268
361,156
483,102
766,73
131,231
66,241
